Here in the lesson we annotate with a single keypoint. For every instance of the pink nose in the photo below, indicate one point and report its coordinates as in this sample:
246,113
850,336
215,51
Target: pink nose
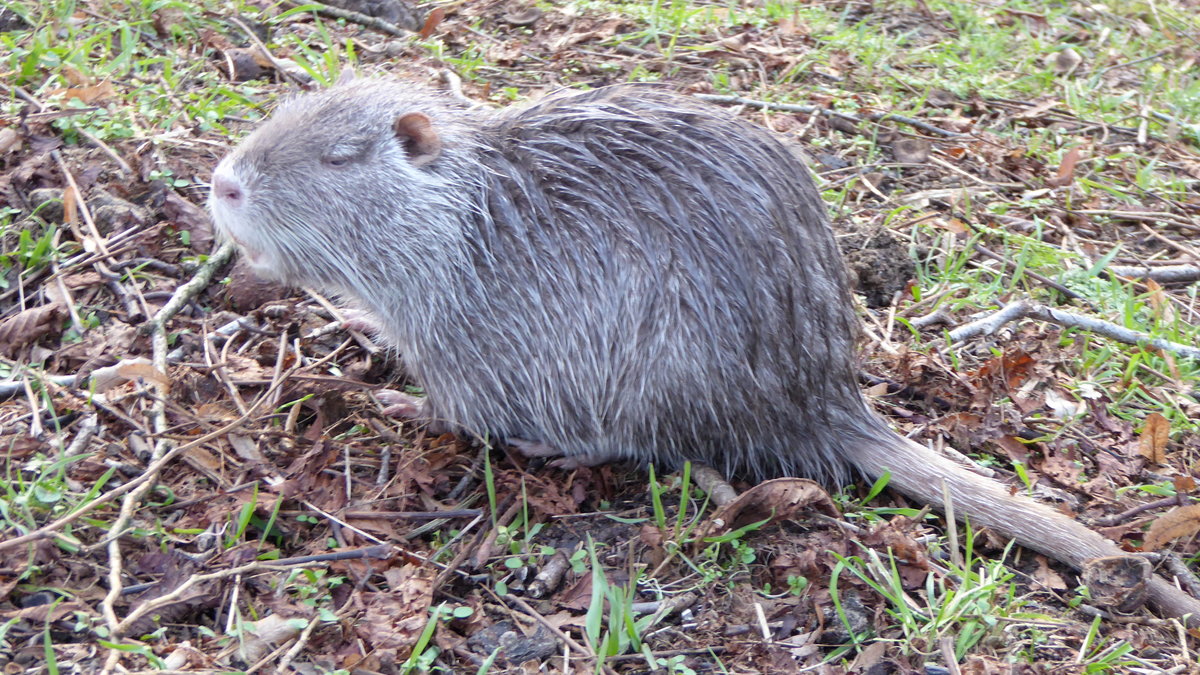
227,189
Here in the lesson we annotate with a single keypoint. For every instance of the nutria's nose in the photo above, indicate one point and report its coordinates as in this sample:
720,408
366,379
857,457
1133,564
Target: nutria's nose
226,188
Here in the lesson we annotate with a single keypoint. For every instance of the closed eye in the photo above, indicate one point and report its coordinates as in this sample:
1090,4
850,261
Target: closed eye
346,152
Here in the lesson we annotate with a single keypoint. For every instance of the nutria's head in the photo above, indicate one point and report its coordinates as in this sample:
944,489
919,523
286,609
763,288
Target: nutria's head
330,174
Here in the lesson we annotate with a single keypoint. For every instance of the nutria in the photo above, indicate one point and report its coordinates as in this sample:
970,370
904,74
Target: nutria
621,273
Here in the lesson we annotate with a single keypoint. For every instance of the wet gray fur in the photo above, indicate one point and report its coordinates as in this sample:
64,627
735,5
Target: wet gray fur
622,273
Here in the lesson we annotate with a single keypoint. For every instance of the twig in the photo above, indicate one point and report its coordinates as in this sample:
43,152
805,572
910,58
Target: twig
1034,275
150,472
162,452
191,582
1161,217
714,484
1024,309
1181,572
285,663
818,110
280,68
1166,274
457,560
411,21
926,320
1134,62
122,166
1117,519
198,282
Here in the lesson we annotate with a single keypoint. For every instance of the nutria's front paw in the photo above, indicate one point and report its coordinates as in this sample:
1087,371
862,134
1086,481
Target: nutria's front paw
566,462
361,321
401,405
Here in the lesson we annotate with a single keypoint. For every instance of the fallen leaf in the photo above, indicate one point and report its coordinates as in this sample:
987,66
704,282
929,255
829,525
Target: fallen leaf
74,76
1066,170
9,140
91,94
1184,484
394,619
773,500
260,637
577,596
84,279
1153,440
1175,524
26,326
431,23
126,370
1063,407
1046,576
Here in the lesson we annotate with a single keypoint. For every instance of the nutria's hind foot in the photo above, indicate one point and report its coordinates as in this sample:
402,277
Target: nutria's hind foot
565,462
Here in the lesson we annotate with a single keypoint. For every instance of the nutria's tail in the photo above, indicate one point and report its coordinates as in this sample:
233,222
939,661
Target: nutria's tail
920,472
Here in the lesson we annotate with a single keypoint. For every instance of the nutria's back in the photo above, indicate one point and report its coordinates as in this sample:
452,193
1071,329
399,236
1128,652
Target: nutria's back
659,281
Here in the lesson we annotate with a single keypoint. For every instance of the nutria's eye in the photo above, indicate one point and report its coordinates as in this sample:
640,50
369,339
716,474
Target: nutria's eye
336,159
345,152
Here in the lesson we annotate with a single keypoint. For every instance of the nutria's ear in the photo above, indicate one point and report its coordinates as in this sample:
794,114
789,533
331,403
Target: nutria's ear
346,77
415,130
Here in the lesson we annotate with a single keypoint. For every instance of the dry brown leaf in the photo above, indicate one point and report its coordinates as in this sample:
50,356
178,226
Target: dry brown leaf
126,370
912,150
1013,447
566,620
577,596
431,22
869,659
1066,170
169,20
393,620
240,367
260,637
135,368
1179,522
1037,110
953,225
773,500
90,94
1184,484
651,536
82,280
184,215
9,140
246,448
875,390
1046,576
1153,440
70,200
26,326
44,613
205,459
74,76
